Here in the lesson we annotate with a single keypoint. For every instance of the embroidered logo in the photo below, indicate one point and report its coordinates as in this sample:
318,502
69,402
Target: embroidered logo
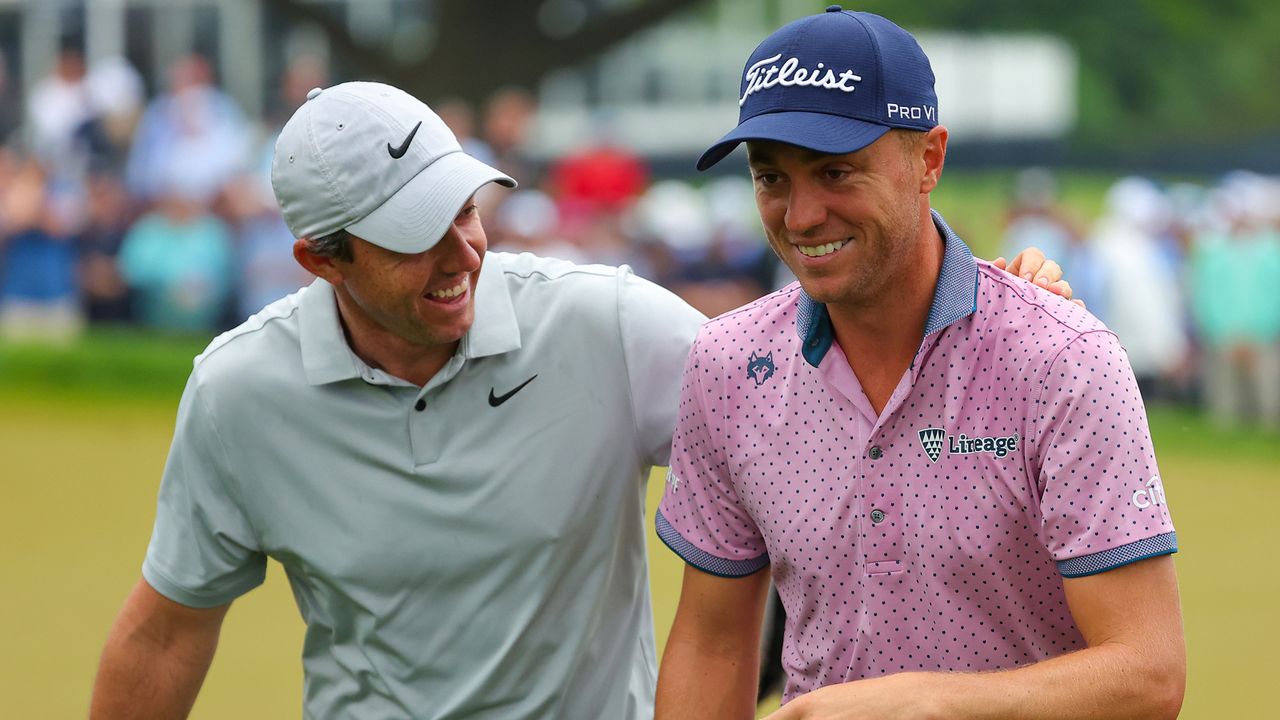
931,439
998,446
767,74
398,152
760,368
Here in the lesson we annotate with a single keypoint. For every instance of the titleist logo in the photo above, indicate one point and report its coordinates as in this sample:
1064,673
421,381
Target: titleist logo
767,74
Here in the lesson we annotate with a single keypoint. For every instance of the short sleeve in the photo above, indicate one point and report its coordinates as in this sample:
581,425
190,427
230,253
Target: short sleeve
657,328
203,552
1101,499
701,517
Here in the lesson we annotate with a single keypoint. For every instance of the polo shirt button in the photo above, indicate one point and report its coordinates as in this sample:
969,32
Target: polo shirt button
877,517
420,405
875,453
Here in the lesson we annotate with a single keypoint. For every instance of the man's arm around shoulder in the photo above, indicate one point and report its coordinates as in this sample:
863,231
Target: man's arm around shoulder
156,657
1135,665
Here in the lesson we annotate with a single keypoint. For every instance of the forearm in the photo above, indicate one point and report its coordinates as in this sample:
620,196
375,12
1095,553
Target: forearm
151,668
1107,681
712,661
699,681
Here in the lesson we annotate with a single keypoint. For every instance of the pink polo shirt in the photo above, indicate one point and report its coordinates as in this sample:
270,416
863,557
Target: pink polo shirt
1014,452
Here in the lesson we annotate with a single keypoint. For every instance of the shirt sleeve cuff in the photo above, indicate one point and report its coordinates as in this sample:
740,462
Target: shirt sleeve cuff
245,581
1095,563
703,560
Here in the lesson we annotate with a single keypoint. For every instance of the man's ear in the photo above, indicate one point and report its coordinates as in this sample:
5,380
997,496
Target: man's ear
321,266
935,155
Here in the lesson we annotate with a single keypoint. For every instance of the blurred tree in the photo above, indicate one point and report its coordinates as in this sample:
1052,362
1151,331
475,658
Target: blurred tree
1154,73
479,46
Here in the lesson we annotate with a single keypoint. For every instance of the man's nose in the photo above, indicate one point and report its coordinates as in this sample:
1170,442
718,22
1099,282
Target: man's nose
458,253
805,209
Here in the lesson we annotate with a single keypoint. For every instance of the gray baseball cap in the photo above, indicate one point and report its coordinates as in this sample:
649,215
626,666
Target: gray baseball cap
376,161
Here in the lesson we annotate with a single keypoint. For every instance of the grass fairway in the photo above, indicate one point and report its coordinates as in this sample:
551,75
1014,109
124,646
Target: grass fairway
81,465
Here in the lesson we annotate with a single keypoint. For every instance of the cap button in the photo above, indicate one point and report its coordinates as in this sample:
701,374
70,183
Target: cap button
834,8
314,92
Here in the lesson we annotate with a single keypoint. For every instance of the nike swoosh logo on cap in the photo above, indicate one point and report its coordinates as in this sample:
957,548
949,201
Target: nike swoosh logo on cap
399,152
496,400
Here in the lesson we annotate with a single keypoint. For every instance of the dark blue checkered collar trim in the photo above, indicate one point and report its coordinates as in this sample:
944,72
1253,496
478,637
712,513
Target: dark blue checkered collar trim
955,298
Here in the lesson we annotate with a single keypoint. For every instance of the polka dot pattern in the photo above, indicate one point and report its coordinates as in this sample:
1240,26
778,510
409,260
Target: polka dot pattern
889,557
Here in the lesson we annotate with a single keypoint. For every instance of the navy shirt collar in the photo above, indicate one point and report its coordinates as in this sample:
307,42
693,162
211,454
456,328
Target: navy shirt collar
954,298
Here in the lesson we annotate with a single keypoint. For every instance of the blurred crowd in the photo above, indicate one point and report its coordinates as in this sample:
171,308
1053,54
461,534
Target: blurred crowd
1182,273
158,212
119,208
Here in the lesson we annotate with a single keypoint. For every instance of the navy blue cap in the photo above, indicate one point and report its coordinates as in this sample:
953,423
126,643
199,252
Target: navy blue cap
833,83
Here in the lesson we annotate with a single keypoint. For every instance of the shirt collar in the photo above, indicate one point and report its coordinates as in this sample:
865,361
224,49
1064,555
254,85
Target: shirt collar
496,329
954,298
327,358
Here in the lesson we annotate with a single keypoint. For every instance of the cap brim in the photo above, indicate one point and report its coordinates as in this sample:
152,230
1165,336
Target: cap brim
820,132
415,218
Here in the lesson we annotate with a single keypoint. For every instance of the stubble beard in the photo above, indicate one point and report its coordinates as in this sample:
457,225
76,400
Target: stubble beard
869,282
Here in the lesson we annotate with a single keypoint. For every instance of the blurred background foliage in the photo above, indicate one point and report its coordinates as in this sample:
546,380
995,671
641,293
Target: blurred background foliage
1155,74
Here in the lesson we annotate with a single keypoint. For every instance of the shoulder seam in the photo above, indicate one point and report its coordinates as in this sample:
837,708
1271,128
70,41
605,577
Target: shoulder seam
238,332
1005,282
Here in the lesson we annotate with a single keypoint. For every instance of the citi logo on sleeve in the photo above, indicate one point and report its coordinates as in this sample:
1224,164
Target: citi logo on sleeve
933,439
1150,494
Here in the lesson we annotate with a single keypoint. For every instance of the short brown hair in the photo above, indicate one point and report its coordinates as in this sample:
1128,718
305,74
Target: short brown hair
336,245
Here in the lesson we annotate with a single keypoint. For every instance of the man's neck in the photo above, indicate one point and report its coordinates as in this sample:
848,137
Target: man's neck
382,349
881,337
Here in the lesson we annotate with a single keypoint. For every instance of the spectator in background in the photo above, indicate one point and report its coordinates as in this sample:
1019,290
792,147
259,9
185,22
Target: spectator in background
1037,219
116,96
1233,272
178,261
1143,308
507,118
265,270
738,240
602,176
697,247
104,296
264,264
38,289
528,221
460,118
10,118
303,72
594,186
58,109
194,135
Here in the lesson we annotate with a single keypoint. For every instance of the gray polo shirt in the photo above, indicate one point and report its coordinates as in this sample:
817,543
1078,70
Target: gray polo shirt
473,548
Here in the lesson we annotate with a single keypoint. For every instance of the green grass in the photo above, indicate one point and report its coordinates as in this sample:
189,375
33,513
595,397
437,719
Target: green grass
84,431
108,365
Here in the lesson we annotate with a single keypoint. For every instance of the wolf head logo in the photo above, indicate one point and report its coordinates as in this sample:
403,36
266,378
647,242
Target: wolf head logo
760,368
931,439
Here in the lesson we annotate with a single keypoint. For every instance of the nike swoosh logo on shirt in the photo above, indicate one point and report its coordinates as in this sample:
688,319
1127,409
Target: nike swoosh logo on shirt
496,400
399,152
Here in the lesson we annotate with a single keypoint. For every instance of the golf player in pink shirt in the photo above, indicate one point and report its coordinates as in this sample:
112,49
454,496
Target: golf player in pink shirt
946,471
